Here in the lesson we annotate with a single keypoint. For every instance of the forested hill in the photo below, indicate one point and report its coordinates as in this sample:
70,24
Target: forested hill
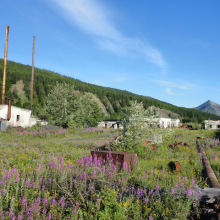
114,100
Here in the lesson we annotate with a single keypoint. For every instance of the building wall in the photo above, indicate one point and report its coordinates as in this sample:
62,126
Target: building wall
19,116
212,125
110,124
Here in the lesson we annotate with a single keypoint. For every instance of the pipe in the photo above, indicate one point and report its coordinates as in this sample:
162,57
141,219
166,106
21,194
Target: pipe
32,75
9,110
209,174
4,67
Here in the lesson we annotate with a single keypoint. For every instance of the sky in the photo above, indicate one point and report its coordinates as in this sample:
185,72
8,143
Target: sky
169,50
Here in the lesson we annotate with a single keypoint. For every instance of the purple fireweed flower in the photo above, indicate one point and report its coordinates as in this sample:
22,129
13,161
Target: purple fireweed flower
2,182
77,204
49,216
19,217
38,167
151,193
100,198
172,191
8,175
23,201
44,211
45,201
146,176
119,181
49,180
53,201
24,175
16,180
151,171
199,192
163,171
103,168
38,200
146,201
74,210
3,192
62,202
139,178
137,168
179,177
157,187
185,178
14,170
189,192
176,185
150,218
2,215
43,187
10,215
193,182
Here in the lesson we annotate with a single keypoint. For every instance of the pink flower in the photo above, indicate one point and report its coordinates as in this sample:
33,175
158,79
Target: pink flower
3,192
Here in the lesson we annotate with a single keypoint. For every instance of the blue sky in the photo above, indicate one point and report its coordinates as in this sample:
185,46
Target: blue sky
169,50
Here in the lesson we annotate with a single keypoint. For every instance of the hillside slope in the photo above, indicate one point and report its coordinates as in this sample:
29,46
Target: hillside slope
114,100
210,107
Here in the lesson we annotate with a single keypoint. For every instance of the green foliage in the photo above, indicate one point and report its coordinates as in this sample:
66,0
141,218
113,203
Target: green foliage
88,111
134,127
115,100
60,104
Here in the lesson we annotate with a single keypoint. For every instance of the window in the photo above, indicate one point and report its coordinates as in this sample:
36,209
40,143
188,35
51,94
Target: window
218,126
18,117
210,126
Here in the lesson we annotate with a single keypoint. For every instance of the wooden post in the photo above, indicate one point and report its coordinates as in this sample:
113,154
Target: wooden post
5,63
32,76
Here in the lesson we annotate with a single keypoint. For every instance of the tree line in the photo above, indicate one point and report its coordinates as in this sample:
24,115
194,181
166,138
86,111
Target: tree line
115,100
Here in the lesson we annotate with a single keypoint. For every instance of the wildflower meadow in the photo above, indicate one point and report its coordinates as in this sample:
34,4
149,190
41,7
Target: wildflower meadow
50,174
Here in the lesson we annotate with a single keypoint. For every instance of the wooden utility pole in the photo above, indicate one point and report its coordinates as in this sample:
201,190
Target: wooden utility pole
32,76
5,64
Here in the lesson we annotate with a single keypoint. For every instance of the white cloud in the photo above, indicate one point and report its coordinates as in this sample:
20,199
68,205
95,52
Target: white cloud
95,19
169,91
180,85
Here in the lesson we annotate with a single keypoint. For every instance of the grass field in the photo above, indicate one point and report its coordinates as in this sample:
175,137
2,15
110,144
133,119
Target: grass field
50,174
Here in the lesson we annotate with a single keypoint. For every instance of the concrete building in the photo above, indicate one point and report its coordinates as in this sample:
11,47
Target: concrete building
212,124
15,116
160,122
110,124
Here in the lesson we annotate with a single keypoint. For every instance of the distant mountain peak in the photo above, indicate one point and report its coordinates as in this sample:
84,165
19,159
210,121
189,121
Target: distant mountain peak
210,107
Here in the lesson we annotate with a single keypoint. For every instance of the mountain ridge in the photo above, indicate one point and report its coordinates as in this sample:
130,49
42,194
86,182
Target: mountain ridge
209,107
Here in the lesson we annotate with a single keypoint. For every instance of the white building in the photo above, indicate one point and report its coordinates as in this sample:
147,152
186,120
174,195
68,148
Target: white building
15,116
110,124
212,124
161,122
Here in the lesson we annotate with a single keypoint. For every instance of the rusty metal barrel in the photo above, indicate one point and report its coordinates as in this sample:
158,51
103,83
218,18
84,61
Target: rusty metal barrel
175,165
